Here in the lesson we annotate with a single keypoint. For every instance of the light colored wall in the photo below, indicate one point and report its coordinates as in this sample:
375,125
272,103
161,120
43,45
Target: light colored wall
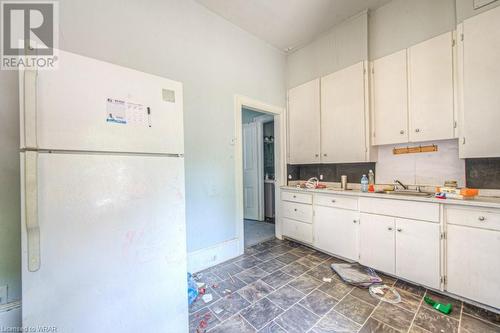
423,168
177,39
10,225
342,46
403,23
465,9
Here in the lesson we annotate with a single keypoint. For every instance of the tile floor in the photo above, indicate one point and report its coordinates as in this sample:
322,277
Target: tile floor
258,232
277,287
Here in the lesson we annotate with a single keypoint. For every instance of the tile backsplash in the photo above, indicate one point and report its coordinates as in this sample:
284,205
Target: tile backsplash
430,169
483,172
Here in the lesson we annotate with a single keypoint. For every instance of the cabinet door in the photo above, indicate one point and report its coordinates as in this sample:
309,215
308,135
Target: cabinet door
297,230
390,99
418,251
472,259
481,72
431,89
336,231
303,123
376,243
343,127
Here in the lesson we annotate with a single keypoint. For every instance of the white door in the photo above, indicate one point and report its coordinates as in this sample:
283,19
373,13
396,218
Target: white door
336,231
472,260
418,251
91,105
251,174
304,123
376,243
112,243
343,127
481,72
390,99
431,89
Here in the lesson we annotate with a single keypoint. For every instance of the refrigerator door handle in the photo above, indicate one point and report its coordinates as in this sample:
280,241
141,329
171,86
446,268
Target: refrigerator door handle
31,209
30,96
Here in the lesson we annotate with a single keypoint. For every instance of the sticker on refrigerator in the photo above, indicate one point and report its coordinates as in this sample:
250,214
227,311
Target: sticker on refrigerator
127,113
116,111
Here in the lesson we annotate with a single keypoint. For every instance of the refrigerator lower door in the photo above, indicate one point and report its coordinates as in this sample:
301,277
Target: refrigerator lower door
112,247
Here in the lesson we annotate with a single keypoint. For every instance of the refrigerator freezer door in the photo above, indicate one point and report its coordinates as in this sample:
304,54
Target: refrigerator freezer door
90,105
112,244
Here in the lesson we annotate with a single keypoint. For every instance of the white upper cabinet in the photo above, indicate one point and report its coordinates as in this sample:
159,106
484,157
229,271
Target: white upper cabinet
479,54
304,123
390,99
343,116
431,99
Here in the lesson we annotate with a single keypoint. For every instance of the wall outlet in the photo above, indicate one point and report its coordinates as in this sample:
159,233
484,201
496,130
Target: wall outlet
320,177
3,294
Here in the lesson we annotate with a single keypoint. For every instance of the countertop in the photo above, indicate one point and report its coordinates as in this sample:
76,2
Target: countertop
479,201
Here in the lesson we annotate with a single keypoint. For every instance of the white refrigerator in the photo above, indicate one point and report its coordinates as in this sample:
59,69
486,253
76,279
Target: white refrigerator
103,212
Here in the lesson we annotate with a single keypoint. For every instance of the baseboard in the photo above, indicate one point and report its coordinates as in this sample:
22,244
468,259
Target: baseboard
10,316
200,259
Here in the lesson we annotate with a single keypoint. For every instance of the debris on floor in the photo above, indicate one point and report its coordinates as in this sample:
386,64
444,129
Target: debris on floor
356,274
325,279
385,293
443,308
207,298
192,289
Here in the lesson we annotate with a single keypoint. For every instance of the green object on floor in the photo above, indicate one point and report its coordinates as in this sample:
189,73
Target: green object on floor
444,308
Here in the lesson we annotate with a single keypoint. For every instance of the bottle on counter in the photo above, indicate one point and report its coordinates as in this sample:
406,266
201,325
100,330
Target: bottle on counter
364,184
371,181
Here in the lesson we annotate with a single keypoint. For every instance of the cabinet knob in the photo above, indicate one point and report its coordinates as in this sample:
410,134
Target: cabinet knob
417,130
325,155
354,221
389,228
294,196
333,200
316,155
295,209
481,218
402,132
399,230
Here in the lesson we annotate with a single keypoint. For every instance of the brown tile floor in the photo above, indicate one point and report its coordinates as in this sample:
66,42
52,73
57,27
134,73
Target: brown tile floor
277,287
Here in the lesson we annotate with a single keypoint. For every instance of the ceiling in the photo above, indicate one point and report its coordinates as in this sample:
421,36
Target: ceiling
288,24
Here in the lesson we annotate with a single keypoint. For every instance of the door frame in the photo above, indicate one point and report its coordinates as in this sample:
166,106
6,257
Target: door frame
241,101
261,120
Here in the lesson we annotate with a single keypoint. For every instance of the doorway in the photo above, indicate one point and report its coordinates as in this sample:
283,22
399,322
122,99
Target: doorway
258,176
259,128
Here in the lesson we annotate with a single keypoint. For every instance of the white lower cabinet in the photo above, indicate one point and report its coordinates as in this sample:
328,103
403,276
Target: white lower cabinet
418,251
376,242
298,230
406,248
473,268
336,231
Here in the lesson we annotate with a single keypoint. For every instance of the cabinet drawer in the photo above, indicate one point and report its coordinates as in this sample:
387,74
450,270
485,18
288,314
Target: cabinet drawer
298,230
297,197
473,217
337,201
297,211
425,211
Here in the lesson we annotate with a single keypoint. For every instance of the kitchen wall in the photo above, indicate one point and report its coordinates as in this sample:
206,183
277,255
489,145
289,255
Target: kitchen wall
180,40
344,45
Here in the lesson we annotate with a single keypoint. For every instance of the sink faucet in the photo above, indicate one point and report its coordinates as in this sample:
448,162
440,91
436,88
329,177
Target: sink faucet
397,182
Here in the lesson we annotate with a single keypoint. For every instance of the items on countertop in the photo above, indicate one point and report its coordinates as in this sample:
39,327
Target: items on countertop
371,181
364,184
450,190
311,183
343,182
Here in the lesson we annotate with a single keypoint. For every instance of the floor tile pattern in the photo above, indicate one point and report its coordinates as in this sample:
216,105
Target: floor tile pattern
277,287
